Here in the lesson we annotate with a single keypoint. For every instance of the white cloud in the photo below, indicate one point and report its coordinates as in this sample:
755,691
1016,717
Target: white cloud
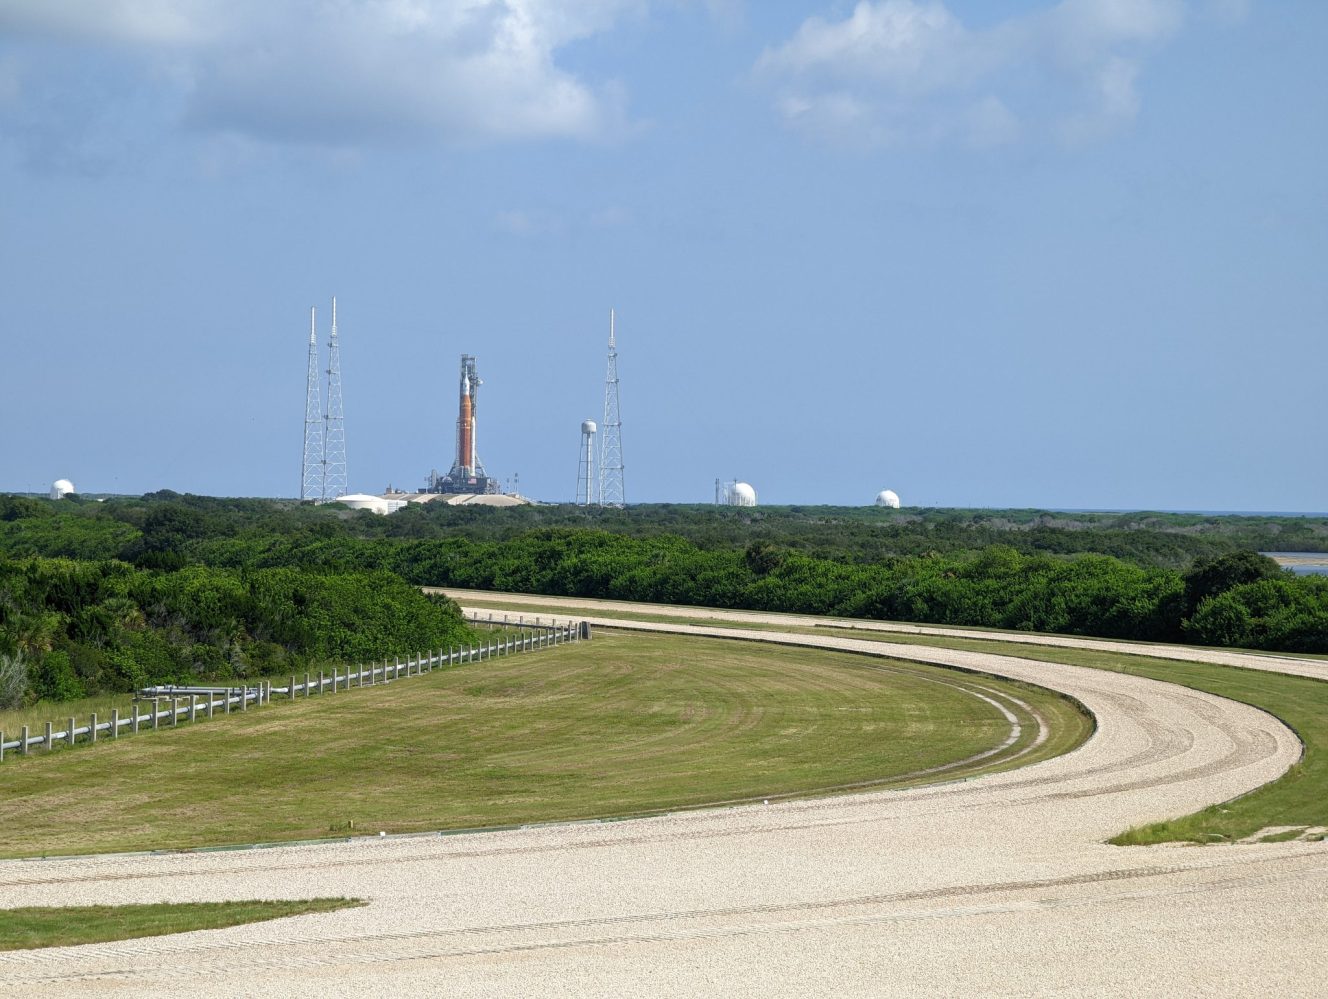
134,21
348,71
911,70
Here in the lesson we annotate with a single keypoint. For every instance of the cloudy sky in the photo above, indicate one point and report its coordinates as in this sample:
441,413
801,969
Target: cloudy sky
982,252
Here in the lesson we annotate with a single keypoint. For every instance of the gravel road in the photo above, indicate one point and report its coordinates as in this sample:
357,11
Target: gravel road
1000,885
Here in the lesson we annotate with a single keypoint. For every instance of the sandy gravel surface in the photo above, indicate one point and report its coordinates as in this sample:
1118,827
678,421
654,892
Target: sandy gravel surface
995,886
1314,668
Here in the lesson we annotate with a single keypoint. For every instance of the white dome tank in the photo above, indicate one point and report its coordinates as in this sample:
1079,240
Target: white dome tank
888,497
363,501
742,494
61,488
588,427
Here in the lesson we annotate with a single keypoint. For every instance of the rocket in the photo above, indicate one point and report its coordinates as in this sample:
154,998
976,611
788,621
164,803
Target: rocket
466,428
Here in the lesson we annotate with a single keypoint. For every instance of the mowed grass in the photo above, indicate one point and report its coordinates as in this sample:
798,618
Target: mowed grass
58,713
64,926
623,724
1299,798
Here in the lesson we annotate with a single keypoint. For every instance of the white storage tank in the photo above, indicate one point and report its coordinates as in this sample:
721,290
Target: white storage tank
888,497
742,494
61,488
363,501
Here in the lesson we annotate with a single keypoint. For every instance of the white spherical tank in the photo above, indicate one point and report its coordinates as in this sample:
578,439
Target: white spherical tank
61,488
888,497
742,494
588,427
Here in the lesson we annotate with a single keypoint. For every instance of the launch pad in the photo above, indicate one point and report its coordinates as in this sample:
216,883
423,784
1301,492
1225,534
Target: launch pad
467,474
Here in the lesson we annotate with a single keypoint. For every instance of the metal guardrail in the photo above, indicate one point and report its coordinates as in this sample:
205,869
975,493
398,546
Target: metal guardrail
205,701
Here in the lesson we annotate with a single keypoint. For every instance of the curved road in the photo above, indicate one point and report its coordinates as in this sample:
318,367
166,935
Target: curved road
996,886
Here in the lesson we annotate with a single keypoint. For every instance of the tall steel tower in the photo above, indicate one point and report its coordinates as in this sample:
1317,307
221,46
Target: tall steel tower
585,471
334,436
311,480
611,492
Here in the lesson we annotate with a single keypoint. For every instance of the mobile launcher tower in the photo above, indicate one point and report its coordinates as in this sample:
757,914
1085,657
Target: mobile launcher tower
467,474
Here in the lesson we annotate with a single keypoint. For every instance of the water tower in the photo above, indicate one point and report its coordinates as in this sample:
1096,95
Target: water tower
585,471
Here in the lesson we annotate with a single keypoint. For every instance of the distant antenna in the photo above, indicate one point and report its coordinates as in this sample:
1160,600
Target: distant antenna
585,470
334,437
311,480
611,491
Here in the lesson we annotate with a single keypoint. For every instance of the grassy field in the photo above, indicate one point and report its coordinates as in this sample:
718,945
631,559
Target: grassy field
621,725
1300,798
58,713
59,926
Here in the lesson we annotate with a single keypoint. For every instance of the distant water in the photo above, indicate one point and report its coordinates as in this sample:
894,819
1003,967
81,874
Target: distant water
1302,563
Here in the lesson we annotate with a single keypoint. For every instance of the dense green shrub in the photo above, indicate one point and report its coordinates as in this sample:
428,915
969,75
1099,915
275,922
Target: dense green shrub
83,627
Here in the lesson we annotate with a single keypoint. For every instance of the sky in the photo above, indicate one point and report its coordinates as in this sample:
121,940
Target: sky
1001,253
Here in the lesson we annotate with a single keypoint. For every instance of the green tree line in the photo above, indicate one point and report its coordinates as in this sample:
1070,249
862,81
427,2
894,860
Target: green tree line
793,559
1241,599
156,525
83,627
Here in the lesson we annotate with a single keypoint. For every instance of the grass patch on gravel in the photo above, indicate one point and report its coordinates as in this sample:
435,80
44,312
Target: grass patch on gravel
624,724
61,926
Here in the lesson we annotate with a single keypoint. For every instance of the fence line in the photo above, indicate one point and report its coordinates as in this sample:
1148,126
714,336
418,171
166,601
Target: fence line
188,702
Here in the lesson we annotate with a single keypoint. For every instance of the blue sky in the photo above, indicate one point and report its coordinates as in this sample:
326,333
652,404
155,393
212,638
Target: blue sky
1001,253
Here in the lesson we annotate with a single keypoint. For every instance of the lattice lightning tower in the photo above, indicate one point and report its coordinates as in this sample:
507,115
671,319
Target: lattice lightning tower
311,480
334,436
611,492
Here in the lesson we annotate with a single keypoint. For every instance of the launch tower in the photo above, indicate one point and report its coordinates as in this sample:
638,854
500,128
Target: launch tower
334,421
311,481
467,474
611,492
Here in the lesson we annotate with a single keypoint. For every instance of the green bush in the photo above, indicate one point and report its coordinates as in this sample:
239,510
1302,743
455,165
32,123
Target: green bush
70,628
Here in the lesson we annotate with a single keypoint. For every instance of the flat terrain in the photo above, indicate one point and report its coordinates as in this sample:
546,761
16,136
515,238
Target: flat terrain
1298,801
999,885
620,725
